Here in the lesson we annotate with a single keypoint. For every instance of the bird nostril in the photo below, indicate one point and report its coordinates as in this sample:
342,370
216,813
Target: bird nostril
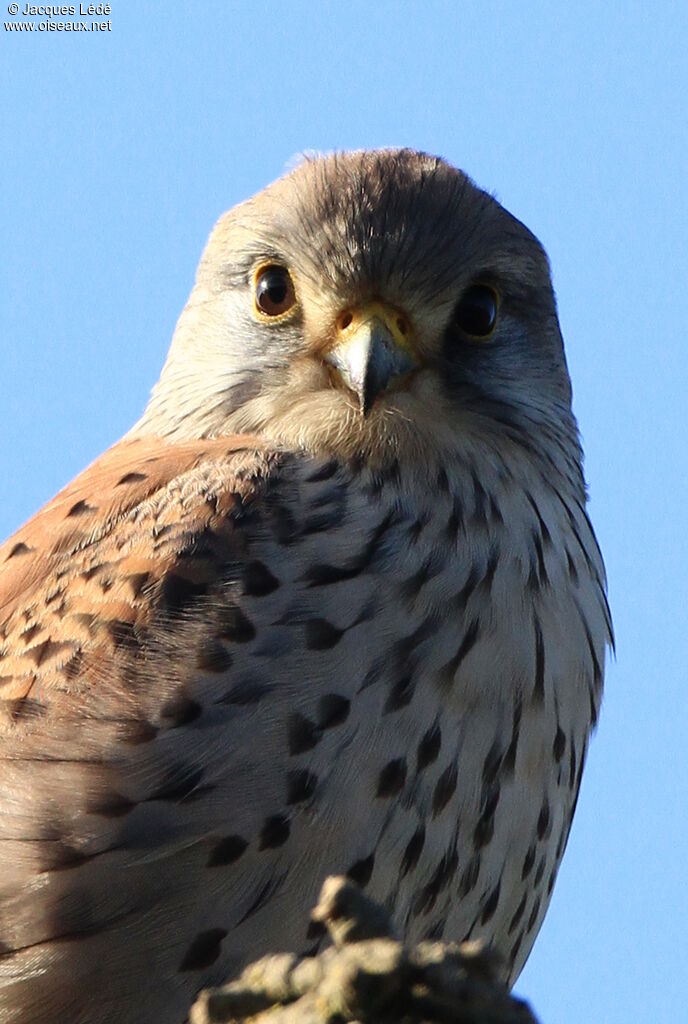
345,321
402,325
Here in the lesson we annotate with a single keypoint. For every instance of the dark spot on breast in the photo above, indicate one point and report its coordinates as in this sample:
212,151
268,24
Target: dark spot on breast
258,580
111,805
516,947
572,764
528,862
95,569
407,650
226,851
435,931
180,711
324,575
81,508
597,671
542,570
263,896
324,519
550,881
543,822
573,572
333,709
122,634
324,471
491,568
539,686
283,525
444,790
47,649
400,695
22,709
135,733
131,478
539,871
441,878
65,857
301,785
542,525
559,745
204,950
321,635
362,870
455,522
30,632
484,829
413,850
448,672
180,783
234,626
490,904
593,708
532,583
86,620
275,832
176,592
316,930
479,517
493,762
212,656
137,582
533,915
302,733
520,910
392,778
429,747
20,548
495,511
54,595
416,528
461,599
469,879
443,481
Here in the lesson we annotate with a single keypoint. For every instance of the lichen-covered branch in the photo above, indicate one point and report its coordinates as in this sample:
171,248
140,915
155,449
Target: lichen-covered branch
367,975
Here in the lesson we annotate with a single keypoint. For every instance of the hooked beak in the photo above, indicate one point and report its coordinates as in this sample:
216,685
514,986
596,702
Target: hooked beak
373,347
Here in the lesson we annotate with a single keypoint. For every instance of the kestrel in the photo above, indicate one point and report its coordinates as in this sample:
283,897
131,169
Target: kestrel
334,605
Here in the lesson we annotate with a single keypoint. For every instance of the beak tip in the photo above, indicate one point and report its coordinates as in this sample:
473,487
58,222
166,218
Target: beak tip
369,360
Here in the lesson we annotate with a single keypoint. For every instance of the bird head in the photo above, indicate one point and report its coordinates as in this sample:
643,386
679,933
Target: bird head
372,305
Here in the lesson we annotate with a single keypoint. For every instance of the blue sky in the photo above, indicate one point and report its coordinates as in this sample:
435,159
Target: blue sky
121,149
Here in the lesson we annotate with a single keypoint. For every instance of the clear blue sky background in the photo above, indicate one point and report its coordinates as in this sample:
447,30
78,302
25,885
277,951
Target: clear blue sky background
119,151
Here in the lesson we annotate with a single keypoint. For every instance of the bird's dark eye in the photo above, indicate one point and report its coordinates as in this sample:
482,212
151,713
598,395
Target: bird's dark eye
476,313
274,290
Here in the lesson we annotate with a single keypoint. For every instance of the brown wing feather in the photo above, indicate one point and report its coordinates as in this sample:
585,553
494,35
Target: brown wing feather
81,574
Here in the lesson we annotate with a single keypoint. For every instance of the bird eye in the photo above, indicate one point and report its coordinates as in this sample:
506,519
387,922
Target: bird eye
476,313
274,291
